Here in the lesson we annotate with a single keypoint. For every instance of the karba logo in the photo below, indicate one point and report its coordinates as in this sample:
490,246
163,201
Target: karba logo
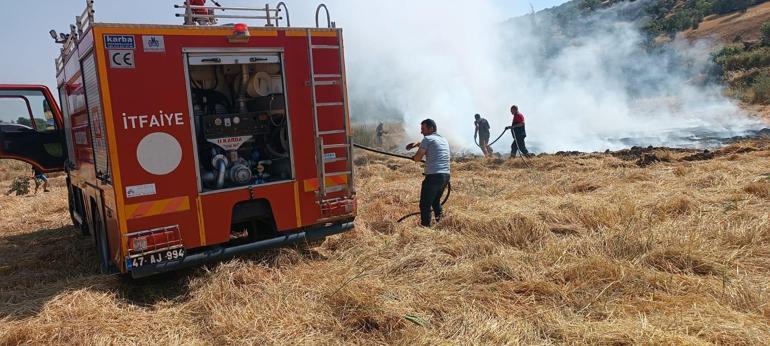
119,39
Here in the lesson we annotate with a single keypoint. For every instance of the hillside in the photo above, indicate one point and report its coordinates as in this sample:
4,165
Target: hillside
725,20
638,246
735,33
733,27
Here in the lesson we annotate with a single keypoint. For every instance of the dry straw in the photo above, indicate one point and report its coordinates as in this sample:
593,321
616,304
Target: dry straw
575,249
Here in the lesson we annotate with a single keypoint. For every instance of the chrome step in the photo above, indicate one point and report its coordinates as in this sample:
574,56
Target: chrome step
335,174
336,146
329,104
336,188
324,46
337,159
327,75
332,132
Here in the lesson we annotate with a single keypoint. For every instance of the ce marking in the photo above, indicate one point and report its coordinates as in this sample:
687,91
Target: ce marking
121,58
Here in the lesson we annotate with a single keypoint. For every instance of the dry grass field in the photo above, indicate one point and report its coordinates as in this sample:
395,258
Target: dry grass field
742,24
569,249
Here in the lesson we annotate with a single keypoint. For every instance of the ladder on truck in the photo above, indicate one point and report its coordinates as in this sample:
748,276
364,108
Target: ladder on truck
321,136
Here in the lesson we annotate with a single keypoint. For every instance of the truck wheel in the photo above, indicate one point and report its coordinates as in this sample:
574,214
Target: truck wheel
84,229
261,229
73,202
102,247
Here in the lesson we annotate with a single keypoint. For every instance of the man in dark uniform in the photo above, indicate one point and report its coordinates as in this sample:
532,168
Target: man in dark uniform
379,132
519,133
482,133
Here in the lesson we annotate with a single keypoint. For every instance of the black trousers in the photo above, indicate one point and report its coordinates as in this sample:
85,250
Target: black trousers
519,133
430,196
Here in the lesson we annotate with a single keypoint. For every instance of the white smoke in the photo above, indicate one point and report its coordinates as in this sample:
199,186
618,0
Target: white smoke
448,60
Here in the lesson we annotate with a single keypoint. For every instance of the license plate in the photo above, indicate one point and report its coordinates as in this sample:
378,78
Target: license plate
157,257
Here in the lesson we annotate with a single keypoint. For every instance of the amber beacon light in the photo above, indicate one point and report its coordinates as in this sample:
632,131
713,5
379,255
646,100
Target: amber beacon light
240,33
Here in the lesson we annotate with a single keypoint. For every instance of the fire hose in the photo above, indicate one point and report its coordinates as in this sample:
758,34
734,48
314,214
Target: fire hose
475,139
448,186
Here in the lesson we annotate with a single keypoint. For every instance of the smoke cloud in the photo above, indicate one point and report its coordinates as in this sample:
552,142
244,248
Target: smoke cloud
601,88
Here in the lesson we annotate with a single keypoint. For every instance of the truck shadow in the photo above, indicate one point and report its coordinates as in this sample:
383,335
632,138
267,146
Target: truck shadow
37,267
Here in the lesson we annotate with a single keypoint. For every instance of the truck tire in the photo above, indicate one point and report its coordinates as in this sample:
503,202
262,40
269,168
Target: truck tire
100,238
73,202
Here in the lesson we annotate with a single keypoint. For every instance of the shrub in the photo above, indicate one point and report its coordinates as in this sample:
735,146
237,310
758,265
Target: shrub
765,34
756,58
761,88
727,6
589,5
730,50
19,186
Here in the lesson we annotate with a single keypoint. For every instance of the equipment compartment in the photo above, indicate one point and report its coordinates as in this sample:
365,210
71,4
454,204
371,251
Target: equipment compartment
241,124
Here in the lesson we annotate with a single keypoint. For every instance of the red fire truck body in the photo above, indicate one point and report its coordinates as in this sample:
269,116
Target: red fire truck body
190,143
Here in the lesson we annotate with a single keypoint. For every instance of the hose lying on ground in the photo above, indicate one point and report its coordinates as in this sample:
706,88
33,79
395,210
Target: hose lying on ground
449,184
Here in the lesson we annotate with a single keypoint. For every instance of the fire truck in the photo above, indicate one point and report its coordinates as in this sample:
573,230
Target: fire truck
188,143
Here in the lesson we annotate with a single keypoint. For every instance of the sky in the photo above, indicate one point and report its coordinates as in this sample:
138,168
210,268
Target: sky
449,59
28,57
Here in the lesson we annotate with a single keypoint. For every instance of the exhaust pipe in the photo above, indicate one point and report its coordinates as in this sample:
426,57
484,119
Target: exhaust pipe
221,252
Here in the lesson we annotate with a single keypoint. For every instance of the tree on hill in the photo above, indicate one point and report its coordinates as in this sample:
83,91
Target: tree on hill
672,16
766,34
657,17
727,6
590,5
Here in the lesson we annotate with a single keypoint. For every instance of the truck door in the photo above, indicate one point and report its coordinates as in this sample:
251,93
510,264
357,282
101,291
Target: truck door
31,127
